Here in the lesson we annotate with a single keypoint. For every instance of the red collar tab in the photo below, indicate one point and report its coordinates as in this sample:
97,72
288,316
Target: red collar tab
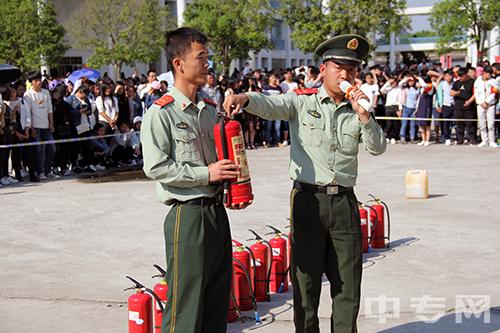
164,100
307,91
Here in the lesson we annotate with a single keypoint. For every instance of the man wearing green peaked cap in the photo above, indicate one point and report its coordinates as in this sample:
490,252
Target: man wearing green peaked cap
326,128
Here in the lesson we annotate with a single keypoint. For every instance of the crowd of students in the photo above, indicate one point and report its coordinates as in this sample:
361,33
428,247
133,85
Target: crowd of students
101,120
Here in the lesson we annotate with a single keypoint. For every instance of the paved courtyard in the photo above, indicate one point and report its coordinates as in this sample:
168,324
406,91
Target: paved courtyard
66,246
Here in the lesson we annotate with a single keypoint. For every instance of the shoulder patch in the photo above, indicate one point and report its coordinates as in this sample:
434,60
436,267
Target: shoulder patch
209,101
307,91
164,100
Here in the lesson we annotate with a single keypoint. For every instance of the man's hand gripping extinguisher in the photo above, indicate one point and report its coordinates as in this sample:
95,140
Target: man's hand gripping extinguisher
230,145
140,316
160,289
261,252
279,269
378,236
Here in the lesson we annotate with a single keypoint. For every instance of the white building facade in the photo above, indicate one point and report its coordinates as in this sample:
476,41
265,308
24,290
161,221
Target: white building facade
419,12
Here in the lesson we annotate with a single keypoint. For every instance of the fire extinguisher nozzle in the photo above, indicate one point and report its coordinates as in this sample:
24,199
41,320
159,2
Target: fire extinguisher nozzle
257,317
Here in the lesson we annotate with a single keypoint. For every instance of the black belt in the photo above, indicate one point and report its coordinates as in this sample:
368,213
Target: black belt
328,189
199,201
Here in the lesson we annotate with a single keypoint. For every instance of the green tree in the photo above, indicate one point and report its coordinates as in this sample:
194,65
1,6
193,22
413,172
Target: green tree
120,32
312,21
233,27
460,21
28,30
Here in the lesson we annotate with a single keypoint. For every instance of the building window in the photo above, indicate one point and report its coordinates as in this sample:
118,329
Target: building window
70,64
277,35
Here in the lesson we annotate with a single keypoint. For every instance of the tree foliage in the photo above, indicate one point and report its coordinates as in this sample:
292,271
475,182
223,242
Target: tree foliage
120,32
234,27
312,21
460,21
28,30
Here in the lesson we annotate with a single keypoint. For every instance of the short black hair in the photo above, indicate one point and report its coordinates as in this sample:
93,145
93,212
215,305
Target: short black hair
462,71
488,69
448,71
34,75
151,70
178,43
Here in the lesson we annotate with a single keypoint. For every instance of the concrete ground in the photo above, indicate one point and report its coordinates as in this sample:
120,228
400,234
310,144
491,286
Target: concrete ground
66,246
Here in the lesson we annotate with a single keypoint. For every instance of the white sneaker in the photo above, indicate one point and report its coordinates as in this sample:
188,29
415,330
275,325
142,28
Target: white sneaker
285,143
483,144
51,175
393,141
99,167
24,173
426,143
493,145
42,176
387,140
4,181
12,180
421,143
447,142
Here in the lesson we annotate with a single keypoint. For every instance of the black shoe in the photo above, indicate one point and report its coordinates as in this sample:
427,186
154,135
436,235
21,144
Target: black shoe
34,179
19,178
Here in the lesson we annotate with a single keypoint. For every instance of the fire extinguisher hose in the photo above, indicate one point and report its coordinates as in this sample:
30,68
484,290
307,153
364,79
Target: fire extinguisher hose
252,295
225,154
388,216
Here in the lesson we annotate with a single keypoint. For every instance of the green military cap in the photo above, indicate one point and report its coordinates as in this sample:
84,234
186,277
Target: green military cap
344,49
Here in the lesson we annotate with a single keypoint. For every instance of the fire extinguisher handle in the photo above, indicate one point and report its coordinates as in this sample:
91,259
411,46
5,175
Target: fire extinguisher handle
161,270
257,237
236,243
276,231
137,284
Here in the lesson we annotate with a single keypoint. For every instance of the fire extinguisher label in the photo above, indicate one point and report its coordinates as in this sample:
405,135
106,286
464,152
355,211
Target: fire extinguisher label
257,263
363,222
276,252
133,315
240,157
157,306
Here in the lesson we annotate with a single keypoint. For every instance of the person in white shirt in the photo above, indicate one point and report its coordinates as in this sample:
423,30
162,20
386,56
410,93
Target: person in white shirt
371,89
39,103
484,92
288,85
107,106
392,108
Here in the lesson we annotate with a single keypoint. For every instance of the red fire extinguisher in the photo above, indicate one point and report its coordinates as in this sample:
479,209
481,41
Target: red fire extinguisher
378,236
140,316
231,145
160,289
241,277
244,295
279,269
261,273
363,216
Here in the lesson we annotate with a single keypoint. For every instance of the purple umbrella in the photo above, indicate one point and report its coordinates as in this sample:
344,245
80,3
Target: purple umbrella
89,73
9,73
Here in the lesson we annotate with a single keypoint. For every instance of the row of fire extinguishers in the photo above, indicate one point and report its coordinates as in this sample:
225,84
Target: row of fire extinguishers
147,304
258,271
375,227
